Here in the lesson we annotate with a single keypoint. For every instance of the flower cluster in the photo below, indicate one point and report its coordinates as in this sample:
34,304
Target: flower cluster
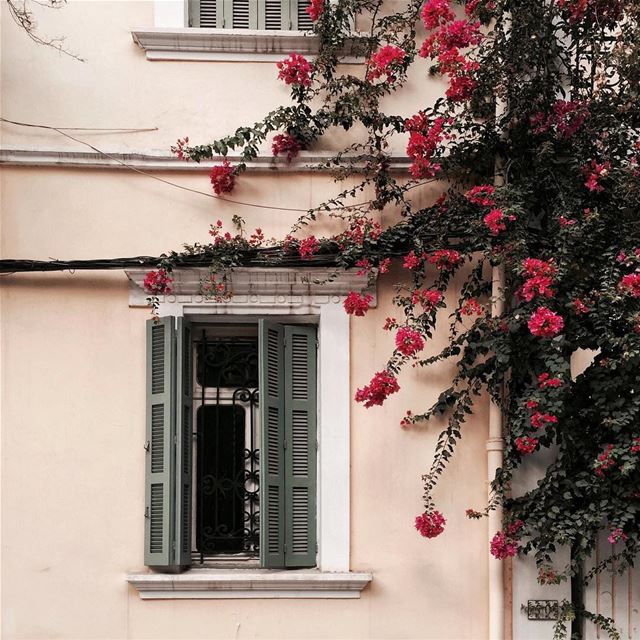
362,228
526,445
545,380
540,420
181,148
283,143
430,524
315,9
580,307
471,307
382,385
496,221
444,43
445,259
409,341
481,195
295,69
504,544
547,575
412,261
223,178
540,276
605,461
565,118
308,247
157,282
631,284
424,138
595,172
356,304
617,535
544,323
387,61
429,299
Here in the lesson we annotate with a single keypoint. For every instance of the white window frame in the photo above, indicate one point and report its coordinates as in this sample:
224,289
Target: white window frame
289,295
170,38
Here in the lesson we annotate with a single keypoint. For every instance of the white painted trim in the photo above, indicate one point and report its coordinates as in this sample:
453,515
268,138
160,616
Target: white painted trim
293,293
156,161
261,583
245,45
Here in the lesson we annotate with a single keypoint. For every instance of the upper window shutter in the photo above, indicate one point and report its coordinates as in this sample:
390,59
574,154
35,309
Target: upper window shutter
273,15
184,443
301,20
241,14
206,13
167,540
159,491
271,385
300,446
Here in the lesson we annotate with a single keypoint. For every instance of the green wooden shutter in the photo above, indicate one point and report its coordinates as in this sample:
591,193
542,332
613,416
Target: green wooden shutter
206,14
160,429
272,467
300,19
273,15
300,446
183,441
167,542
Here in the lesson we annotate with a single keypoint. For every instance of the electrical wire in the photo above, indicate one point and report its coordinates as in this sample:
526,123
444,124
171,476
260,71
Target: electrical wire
62,132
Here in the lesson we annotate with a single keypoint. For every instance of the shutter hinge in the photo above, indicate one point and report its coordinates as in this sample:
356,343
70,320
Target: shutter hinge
317,549
317,445
317,344
284,444
285,547
173,545
147,446
146,512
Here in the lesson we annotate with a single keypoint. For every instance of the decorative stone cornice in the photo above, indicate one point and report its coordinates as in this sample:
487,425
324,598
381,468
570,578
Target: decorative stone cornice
245,583
149,161
244,45
257,286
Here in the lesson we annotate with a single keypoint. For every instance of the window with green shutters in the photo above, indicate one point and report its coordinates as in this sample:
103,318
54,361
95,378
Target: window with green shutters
283,386
277,15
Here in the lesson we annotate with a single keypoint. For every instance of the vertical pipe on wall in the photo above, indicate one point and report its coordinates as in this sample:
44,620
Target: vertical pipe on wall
495,446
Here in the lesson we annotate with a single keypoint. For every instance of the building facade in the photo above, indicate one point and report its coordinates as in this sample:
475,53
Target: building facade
93,420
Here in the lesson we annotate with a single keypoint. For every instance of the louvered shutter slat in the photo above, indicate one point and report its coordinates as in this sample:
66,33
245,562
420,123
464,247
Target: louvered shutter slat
272,18
304,22
271,385
300,454
160,428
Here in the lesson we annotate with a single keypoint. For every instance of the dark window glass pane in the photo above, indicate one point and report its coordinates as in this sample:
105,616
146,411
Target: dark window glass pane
220,491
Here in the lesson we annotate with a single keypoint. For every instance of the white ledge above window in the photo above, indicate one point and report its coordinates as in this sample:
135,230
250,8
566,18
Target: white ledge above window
243,583
241,45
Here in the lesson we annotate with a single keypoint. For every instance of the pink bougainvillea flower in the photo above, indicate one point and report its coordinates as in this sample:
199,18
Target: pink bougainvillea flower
503,546
295,69
534,267
384,265
382,385
315,9
471,307
545,380
526,445
445,258
544,323
595,172
409,341
430,524
580,307
630,284
617,535
605,461
385,62
356,304
411,261
429,299
308,247
536,286
482,195
496,221
283,143
157,282
635,446
435,13
223,178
